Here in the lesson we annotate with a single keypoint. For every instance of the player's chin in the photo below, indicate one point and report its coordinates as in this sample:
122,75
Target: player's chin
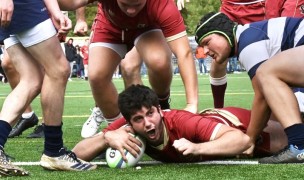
154,140
220,60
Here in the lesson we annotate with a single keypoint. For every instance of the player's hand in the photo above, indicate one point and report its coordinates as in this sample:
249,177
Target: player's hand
81,28
248,153
6,12
120,139
191,108
185,146
63,25
181,4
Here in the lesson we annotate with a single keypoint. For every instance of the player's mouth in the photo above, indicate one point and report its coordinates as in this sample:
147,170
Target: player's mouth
212,55
151,134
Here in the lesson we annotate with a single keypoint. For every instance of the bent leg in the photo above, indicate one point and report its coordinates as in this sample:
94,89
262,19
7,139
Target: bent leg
57,71
12,75
27,88
156,53
103,62
130,68
275,76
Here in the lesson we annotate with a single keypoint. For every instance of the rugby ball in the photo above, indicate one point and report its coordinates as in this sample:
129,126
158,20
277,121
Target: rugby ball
114,158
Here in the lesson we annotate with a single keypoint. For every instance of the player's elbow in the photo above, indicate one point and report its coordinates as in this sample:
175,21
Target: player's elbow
71,5
244,141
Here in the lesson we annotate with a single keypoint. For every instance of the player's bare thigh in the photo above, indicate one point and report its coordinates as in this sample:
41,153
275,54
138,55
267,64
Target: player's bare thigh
287,66
43,45
152,46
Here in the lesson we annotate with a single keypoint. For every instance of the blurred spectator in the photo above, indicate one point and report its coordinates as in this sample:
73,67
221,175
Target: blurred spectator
201,56
70,53
79,63
85,56
233,65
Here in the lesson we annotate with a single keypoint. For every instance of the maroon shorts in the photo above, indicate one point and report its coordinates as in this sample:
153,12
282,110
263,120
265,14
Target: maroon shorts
244,13
284,8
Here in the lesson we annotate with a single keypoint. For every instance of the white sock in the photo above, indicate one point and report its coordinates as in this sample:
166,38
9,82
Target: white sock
218,81
110,120
27,115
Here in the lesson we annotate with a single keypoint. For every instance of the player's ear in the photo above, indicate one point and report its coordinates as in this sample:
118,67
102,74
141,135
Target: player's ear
160,111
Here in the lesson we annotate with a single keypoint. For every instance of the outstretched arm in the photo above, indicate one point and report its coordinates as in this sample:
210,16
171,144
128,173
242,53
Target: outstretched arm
119,139
72,5
228,142
89,148
181,48
260,114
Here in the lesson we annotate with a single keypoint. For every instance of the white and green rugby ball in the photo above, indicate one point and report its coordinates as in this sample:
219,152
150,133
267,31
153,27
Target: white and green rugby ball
114,158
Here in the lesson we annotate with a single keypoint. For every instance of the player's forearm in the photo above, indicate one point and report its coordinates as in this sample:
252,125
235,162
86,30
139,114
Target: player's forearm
189,77
89,148
71,5
260,113
80,14
191,89
186,64
229,144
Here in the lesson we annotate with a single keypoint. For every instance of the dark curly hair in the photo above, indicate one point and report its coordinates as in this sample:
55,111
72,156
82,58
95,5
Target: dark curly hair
134,98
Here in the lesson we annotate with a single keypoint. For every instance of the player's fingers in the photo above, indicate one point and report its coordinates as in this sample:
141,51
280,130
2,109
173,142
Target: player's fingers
135,141
6,15
79,32
179,142
66,25
131,150
133,146
129,129
121,150
85,29
186,152
4,21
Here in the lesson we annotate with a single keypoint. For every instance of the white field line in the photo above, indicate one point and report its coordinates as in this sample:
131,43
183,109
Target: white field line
155,163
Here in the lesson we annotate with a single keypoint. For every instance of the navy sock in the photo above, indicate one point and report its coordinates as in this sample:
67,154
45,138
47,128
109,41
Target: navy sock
295,135
53,140
5,129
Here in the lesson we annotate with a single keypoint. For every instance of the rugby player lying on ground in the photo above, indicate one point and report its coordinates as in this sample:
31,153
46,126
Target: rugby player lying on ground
178,135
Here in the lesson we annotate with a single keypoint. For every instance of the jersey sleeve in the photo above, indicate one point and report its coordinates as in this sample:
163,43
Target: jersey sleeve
170,20
196,128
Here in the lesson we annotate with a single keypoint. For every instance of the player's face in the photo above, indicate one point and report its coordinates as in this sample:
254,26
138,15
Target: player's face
148,124
216,46
131,7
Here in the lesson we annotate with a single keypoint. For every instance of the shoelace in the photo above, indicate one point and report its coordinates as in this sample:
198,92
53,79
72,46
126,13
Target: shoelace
69,155
94,115
73,156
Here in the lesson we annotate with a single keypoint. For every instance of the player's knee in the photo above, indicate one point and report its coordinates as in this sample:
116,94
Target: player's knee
64,72
98,79
7,64
34,85
129,68
261,74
